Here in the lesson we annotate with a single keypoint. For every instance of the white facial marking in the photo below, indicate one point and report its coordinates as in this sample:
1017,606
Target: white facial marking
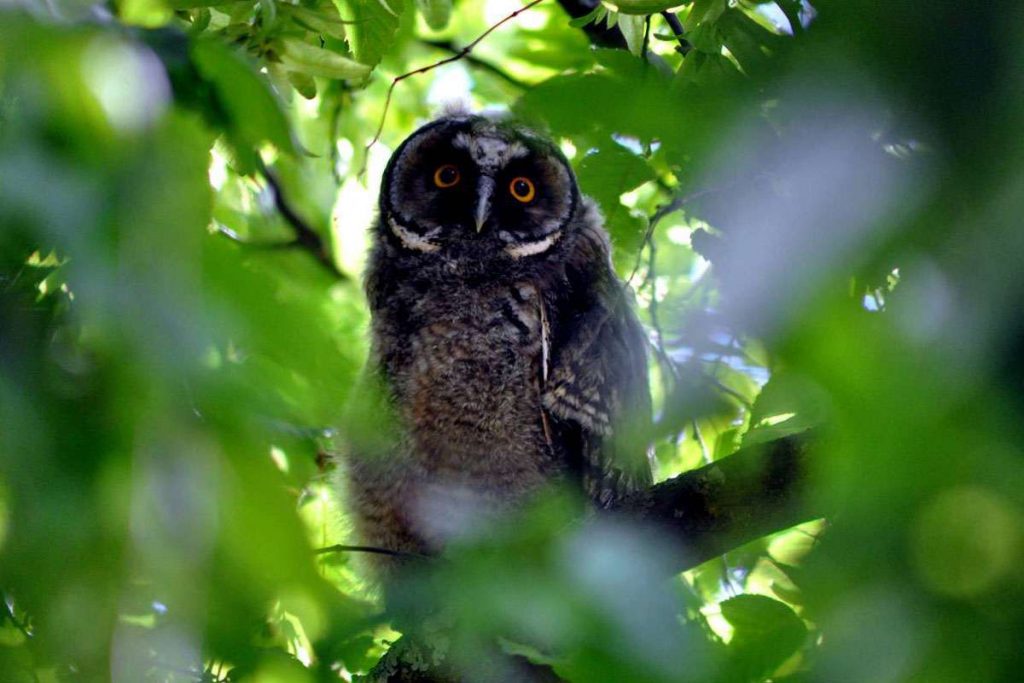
411,240
531,248
489,153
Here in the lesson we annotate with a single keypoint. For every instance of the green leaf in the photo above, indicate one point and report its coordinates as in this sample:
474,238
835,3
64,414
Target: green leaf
640,7
703,11
373,28
632,28
788,404
318,21
706,38
605,175
609,172
746,39
766,633
595,15
436,13
315,61
189,4
303,84
253,113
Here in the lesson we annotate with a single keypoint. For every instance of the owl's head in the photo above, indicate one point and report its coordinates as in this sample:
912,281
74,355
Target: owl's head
466,184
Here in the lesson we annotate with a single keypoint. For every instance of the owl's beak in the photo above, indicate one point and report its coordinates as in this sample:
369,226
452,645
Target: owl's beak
483,201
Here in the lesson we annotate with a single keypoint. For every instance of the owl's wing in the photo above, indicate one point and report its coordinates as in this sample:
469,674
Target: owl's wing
597,387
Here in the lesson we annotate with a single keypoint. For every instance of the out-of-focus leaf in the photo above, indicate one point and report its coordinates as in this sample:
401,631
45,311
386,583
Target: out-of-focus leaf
435,12
190,4
766,632
693,397
794,11
703,10
325,21
595,15
303,84
253,113
788,404
746,39
315,61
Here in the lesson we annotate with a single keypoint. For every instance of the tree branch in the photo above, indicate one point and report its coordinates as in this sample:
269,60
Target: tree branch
305,237
677,31
449,46
417,659
460,54
677,203
342,548
754,492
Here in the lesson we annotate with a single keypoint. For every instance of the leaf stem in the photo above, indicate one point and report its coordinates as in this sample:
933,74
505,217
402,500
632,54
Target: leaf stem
677,30
459,54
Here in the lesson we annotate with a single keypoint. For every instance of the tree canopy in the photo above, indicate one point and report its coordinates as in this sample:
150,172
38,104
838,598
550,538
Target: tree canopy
817,205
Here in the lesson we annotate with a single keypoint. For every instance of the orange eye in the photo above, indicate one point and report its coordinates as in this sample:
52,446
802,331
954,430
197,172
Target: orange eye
446,176
522,189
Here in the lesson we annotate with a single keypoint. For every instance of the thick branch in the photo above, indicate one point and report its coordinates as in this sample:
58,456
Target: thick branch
754,492
416,660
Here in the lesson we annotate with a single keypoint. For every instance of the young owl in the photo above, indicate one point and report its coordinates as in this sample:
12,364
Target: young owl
504,348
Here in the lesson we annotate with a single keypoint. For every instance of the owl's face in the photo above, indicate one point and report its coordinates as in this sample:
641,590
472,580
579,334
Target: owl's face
468,186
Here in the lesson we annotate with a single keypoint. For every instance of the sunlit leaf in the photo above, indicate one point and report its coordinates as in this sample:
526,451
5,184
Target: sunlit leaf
644,6
315,61
373,27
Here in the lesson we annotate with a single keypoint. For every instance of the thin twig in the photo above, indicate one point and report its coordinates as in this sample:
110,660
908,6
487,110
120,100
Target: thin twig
335,122
678,31
704,453
341,548
662,211
659,344
450,47
743,400
249,244
460,54
305,236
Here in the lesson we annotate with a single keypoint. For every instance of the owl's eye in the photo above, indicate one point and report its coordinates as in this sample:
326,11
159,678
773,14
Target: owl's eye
522,189
446,176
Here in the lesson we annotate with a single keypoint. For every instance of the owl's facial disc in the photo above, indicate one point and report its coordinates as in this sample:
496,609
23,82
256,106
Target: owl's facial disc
474,189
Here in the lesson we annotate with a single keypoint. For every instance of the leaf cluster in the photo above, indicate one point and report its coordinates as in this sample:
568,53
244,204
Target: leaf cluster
817,208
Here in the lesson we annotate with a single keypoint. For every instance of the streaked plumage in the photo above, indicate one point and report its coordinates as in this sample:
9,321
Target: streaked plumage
504,346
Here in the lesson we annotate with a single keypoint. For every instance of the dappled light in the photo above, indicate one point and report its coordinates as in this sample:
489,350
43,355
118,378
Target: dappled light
816,210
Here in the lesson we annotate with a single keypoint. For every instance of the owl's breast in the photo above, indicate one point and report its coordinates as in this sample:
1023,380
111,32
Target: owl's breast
468,385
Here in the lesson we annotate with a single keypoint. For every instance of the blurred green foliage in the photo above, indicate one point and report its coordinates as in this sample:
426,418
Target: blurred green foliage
818,207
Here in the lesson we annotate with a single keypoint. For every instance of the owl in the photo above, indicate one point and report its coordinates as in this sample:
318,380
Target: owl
505,355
